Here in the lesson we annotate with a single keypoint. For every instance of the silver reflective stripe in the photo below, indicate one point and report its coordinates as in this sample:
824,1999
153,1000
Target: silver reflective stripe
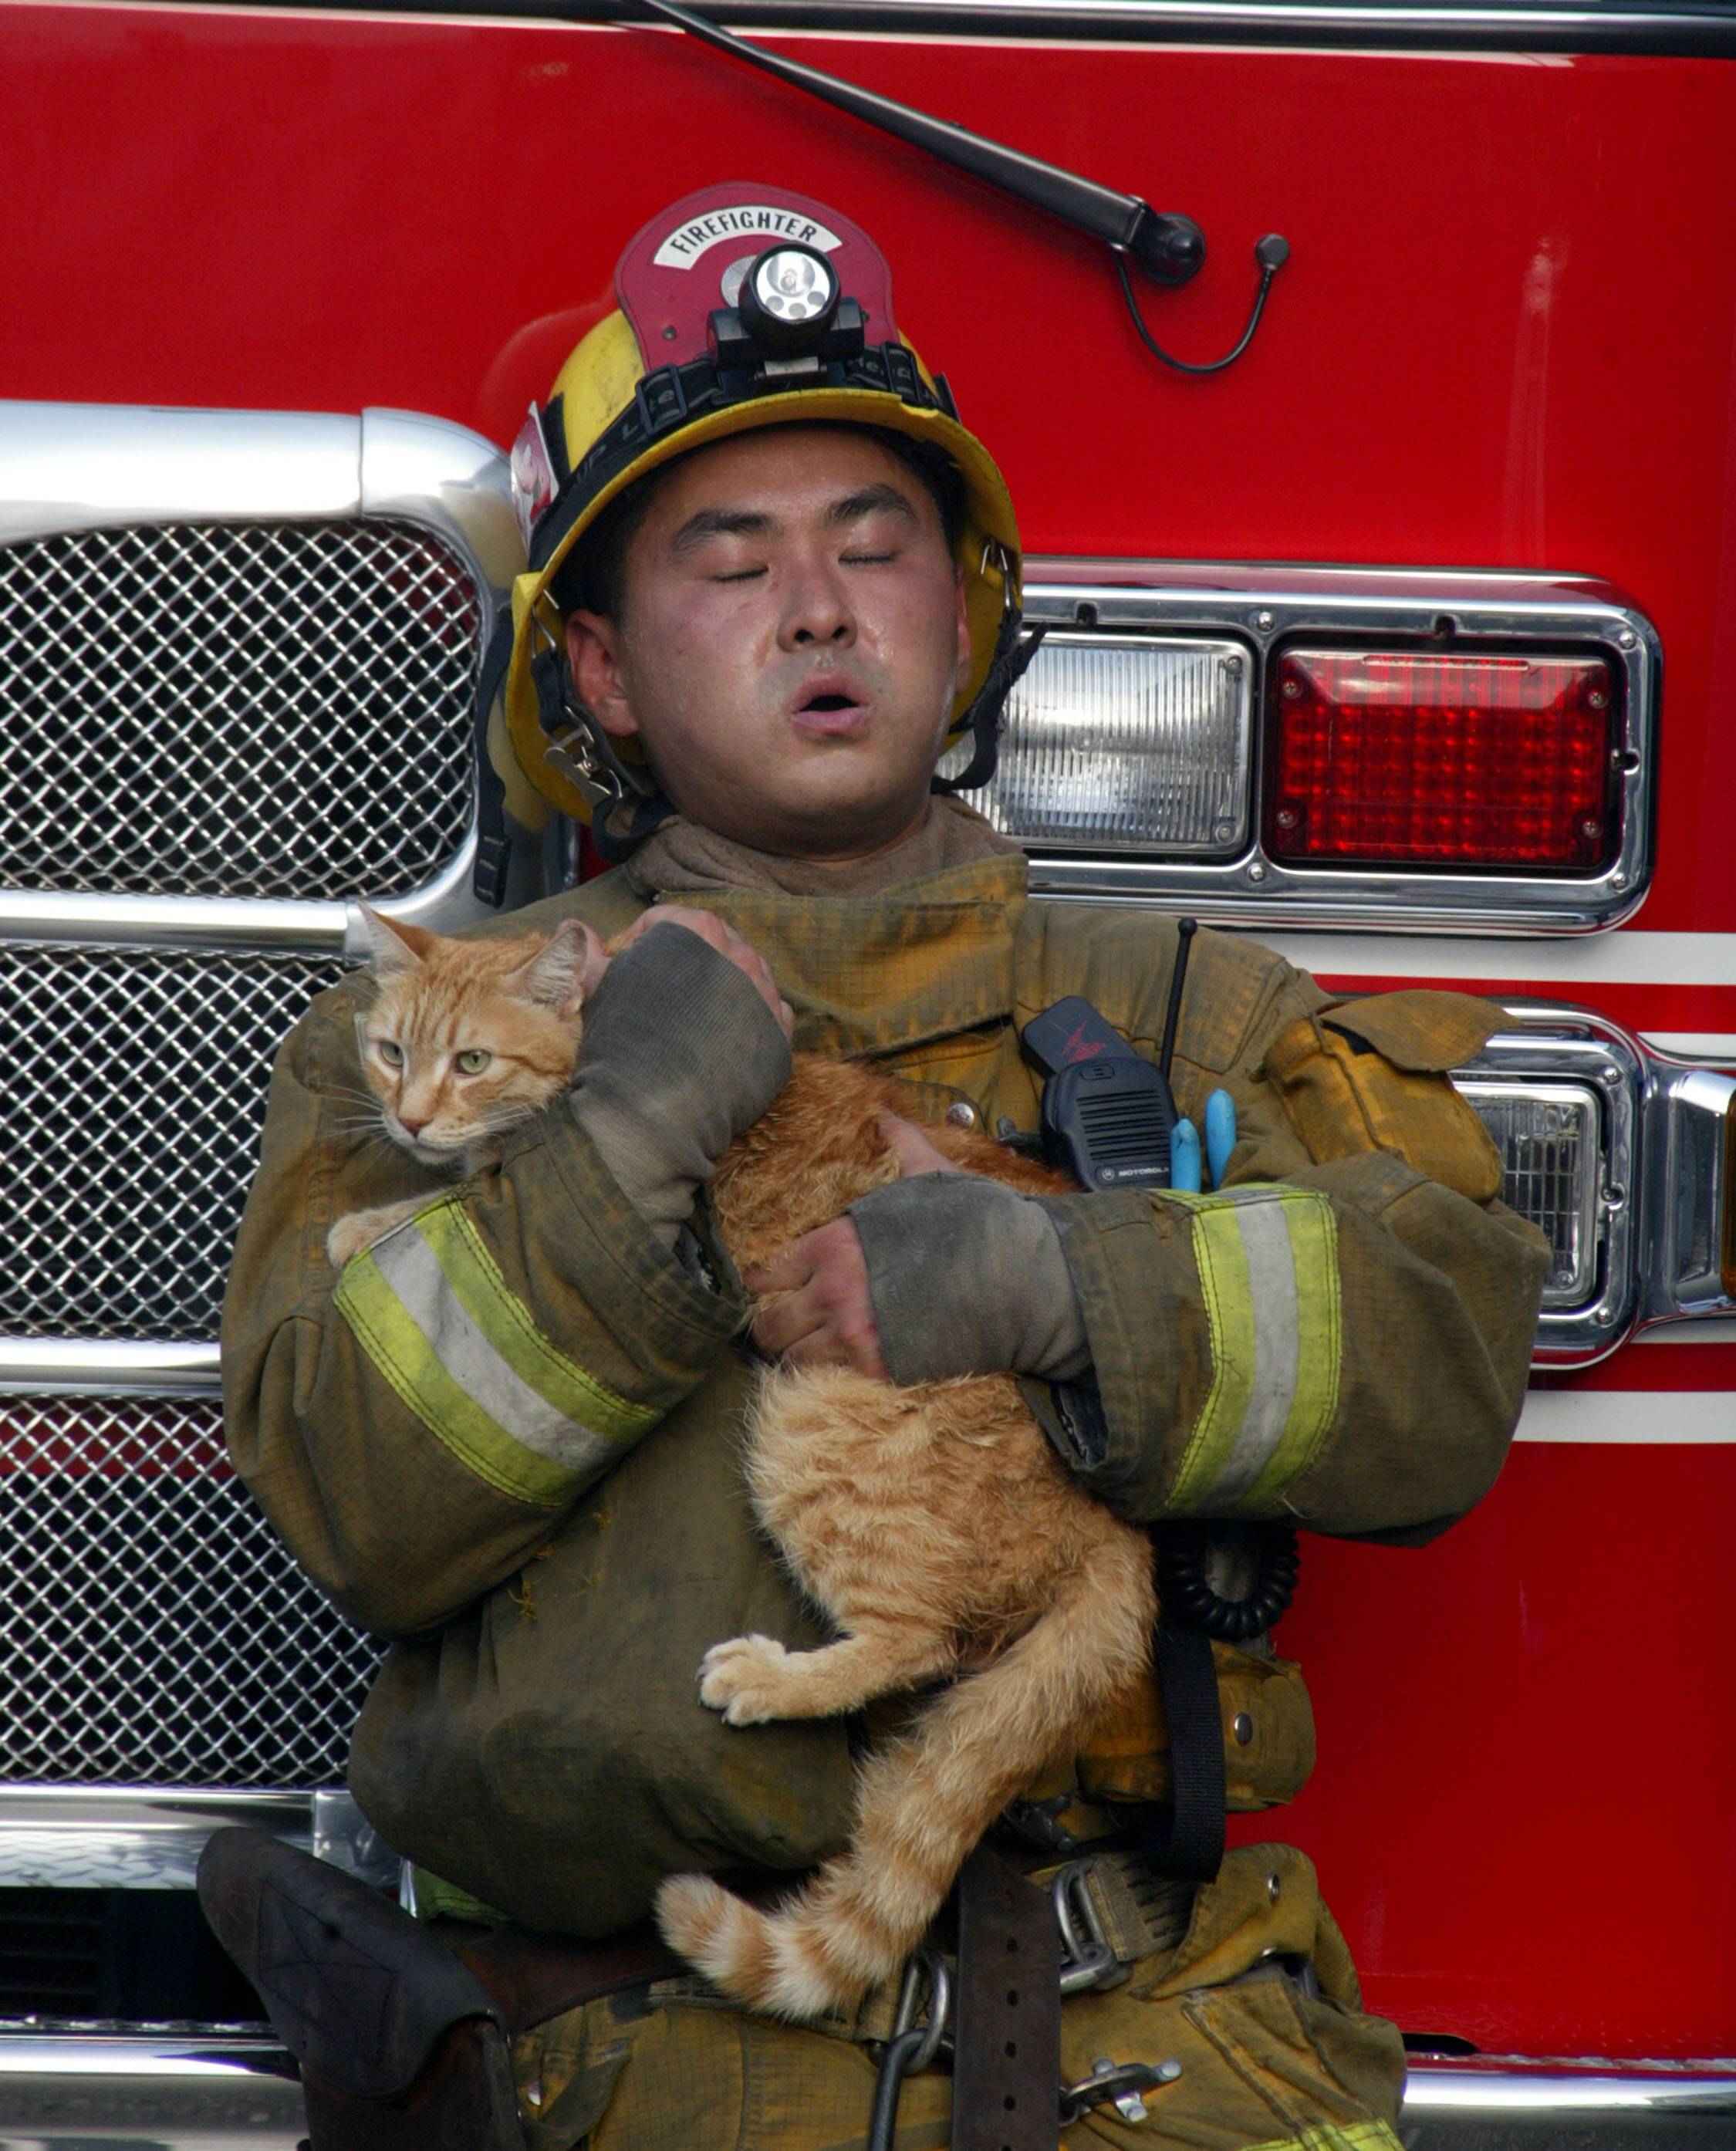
1268,1272
1272,1288
412,1269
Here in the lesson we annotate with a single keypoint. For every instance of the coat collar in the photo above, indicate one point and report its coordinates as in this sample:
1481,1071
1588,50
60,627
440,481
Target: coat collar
871,975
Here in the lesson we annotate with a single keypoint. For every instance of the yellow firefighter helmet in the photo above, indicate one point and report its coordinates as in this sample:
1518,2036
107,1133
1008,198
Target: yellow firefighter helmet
741,306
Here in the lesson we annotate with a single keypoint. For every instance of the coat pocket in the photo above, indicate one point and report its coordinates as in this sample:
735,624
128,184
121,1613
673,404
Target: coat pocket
1268,1737
1370,1075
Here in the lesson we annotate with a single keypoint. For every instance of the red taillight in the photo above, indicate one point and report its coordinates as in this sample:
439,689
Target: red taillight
1423,759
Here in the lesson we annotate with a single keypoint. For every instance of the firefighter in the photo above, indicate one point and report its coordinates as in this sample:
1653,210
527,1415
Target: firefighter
771,576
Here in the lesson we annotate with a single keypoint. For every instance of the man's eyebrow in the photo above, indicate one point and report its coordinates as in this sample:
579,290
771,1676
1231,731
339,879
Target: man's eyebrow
872,500
720,523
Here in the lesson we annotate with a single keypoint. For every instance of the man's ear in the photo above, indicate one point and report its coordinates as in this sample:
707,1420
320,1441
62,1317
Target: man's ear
965,652
594,652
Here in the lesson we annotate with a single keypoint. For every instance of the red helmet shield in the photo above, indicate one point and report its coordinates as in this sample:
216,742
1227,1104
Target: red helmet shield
691,259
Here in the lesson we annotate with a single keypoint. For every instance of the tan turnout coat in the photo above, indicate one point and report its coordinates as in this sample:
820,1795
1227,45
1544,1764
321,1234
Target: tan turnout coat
510,1444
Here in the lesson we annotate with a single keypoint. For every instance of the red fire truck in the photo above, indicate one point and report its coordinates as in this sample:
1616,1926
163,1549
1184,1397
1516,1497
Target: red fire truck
1406,641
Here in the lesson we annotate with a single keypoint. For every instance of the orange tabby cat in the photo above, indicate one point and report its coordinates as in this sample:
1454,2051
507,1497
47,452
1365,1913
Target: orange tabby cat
934,1524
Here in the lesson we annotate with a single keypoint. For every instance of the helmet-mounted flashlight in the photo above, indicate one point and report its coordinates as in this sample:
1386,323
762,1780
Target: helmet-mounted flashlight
788,296
790,306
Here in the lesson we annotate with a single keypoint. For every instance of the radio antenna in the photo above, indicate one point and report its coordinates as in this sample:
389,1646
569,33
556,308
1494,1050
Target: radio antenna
1186,929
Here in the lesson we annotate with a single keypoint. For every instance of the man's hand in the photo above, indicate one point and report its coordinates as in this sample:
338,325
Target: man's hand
826,1315
684,1046
823,1314
725,940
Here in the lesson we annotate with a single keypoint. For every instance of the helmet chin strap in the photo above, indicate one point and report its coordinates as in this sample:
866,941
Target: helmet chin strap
1013,651
577,745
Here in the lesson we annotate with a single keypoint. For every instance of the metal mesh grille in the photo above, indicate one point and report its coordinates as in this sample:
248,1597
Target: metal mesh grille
132,1088
153,1631
276,710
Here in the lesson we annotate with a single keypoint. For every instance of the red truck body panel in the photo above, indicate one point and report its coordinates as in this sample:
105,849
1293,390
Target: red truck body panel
1506,338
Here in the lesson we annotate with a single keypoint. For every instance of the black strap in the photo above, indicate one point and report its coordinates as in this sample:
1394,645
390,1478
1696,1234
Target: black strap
1012,654
1006,2062
488,877
1184,1838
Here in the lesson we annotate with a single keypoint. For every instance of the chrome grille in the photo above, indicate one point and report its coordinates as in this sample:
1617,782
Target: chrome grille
154,1630
260,710
132,1088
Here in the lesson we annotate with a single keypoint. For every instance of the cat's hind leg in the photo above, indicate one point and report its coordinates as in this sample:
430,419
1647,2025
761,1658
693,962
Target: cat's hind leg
752,1678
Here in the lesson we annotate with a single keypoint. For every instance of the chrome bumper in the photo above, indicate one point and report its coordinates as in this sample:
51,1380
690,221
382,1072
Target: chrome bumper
103,2089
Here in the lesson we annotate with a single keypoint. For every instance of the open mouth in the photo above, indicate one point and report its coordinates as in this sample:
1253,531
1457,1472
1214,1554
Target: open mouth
831,710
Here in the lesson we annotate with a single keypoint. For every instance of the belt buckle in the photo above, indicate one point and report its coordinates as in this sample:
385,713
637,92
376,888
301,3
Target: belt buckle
1087,1960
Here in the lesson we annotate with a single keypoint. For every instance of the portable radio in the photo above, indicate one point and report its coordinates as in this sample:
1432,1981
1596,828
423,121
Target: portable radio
1108,1116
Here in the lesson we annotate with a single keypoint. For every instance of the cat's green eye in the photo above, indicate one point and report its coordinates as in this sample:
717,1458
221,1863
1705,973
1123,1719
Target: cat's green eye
390,1051
474,1062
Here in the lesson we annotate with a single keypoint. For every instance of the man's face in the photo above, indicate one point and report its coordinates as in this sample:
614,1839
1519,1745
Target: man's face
790,639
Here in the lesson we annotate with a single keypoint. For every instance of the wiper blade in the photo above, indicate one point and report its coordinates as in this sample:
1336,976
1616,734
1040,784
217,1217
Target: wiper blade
1169,248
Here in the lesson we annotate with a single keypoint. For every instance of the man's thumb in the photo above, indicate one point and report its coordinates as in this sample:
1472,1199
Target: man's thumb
912,1149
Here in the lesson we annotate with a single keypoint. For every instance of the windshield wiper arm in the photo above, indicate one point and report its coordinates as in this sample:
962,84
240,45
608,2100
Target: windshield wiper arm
1169,248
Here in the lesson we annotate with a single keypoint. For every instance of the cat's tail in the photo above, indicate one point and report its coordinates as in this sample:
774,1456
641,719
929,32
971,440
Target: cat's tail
923,1802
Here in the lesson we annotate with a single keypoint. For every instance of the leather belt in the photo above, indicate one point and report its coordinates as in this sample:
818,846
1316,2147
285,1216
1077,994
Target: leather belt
1007,2062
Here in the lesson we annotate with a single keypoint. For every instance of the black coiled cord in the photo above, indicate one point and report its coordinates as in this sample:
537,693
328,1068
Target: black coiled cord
1186,1593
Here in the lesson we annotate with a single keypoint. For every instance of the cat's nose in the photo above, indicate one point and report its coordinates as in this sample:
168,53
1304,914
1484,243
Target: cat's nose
413,1128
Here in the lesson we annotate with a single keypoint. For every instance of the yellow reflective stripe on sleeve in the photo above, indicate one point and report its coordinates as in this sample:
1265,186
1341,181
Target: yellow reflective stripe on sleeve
1267,1263
1336,2136
562,1383
430,1307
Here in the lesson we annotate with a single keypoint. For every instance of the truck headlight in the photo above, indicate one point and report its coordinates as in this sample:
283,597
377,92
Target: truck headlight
1128,742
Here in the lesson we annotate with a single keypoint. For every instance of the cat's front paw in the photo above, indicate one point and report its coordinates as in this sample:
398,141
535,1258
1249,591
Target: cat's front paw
350,1235
744,1678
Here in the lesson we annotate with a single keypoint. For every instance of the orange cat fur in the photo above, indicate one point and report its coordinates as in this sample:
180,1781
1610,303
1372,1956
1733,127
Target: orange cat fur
934,1526
438,1003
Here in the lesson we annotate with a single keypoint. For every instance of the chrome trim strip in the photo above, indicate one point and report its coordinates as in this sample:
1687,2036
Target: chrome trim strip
1579,1047
96,2051
85,1837
182,2092
114,466
1270,606
1517,2089
1689,1192
79,1366
220,923
93,2084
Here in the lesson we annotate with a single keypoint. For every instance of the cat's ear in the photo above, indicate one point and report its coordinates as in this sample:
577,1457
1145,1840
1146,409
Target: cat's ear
397,947
564,972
